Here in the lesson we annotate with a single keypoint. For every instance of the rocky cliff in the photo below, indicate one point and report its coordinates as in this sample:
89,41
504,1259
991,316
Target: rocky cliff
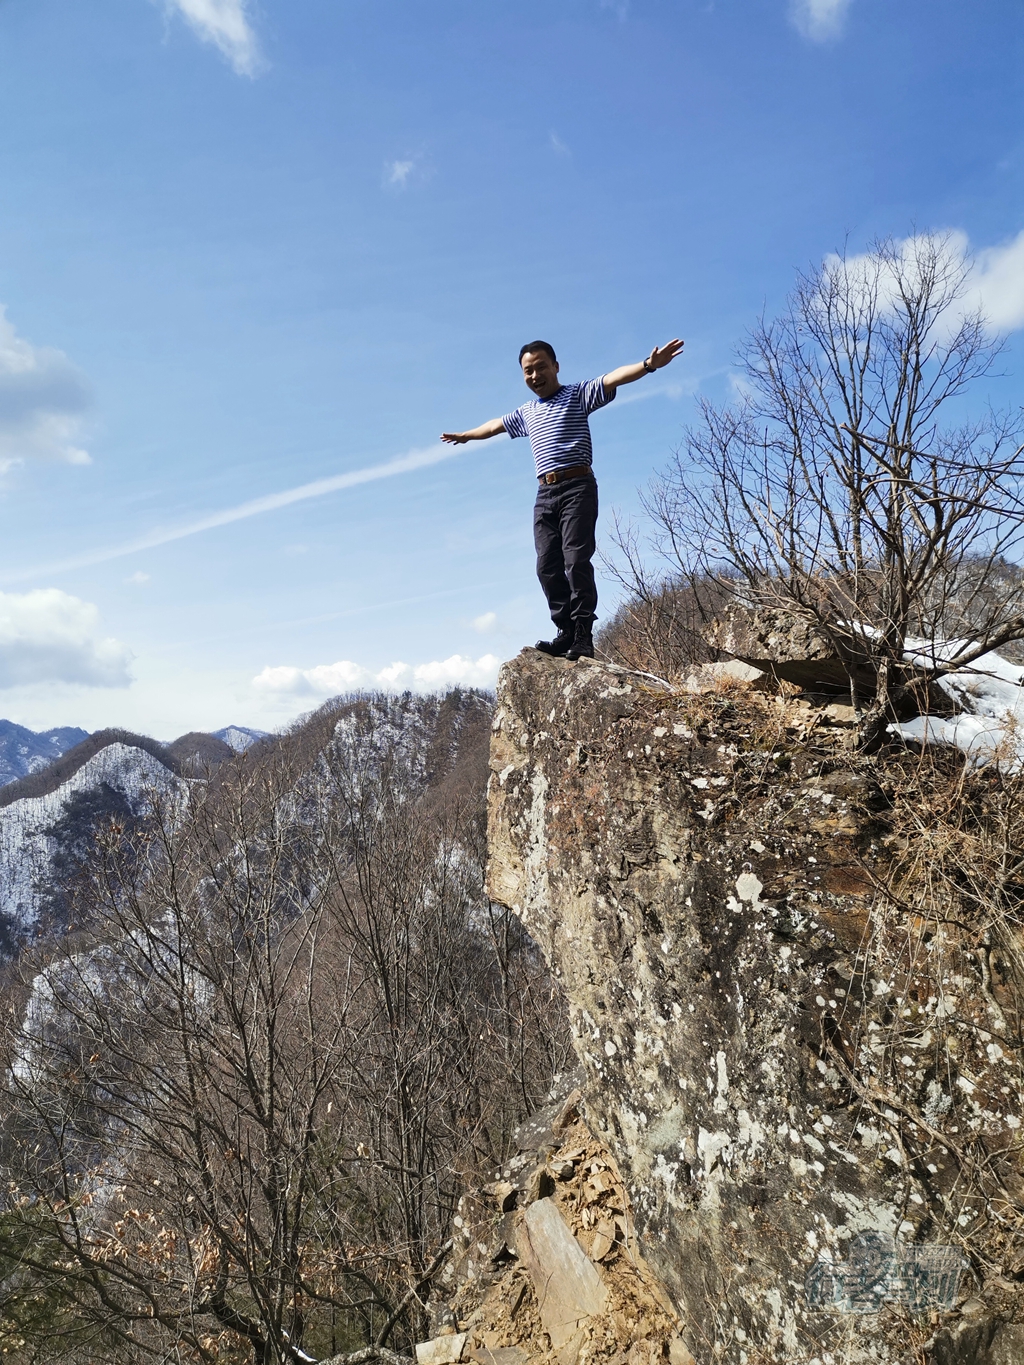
800,1048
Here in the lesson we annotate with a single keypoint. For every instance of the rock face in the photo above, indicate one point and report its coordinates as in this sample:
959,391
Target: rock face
698,871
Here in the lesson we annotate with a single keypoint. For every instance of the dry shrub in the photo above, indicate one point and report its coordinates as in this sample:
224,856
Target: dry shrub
658,628
928,1036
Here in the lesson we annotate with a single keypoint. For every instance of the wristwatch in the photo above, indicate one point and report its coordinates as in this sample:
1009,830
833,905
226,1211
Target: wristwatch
648,367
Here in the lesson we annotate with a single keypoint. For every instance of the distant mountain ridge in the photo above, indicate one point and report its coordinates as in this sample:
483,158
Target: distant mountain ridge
46,780
44,832
187,756
26,754
24,751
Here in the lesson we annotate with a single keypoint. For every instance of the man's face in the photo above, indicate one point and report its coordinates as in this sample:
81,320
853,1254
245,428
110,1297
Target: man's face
540,373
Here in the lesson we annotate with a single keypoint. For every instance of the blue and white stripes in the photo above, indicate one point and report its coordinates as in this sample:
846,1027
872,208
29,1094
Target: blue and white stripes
557,426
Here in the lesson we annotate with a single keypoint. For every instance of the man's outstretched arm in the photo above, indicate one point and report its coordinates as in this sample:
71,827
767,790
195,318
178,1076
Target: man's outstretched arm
657,360
495,427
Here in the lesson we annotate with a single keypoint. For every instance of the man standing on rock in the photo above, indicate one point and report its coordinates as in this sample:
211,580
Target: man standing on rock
565,514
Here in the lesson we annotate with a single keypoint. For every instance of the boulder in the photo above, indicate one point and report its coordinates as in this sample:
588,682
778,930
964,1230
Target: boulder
547,1263
726,673
784,645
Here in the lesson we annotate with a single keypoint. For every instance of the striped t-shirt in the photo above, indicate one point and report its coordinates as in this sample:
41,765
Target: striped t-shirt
557,426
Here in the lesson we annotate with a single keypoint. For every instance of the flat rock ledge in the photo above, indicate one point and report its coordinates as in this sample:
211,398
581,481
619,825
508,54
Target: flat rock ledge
697,872
789,648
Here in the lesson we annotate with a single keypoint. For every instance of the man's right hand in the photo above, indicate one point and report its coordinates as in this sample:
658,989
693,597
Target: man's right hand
495,427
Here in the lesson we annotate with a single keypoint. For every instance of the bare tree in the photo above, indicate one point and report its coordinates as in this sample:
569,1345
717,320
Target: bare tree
659,625
849,484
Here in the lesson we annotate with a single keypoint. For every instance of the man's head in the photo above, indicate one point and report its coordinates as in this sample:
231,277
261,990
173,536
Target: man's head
540,368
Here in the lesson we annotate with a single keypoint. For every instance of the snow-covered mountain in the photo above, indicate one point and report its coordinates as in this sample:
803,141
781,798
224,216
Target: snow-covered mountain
239,736
49,823
59,788
25,751
44,838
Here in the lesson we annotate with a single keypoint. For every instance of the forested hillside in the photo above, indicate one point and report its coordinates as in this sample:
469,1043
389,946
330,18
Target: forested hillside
286,1026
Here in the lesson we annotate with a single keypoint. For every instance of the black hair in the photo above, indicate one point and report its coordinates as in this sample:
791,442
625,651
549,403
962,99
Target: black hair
538,346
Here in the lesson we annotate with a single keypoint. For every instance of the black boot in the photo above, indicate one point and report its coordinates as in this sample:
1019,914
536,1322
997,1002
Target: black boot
558,647
582,646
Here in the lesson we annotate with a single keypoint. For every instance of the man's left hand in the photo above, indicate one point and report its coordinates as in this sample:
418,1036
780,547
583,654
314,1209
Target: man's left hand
664,355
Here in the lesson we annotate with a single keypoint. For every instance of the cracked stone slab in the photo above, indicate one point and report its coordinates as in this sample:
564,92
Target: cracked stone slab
569,1290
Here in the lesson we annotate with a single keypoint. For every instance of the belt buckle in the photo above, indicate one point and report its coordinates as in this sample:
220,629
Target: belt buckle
552,477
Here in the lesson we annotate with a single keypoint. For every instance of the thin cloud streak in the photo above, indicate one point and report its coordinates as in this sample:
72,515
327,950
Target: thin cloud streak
272,502
670,391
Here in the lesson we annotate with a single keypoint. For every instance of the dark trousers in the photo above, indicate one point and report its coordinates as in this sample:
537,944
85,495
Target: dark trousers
564,519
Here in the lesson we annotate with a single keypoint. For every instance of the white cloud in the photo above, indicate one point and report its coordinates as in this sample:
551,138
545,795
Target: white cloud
557,145
998,283
225,24
485,623
327,680
398,172
137,577
48,636
43,401
995,284
819,20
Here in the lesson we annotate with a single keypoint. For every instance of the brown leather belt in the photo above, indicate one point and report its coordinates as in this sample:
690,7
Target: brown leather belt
557,475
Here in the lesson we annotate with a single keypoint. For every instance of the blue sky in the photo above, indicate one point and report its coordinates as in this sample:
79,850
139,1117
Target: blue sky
251,248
